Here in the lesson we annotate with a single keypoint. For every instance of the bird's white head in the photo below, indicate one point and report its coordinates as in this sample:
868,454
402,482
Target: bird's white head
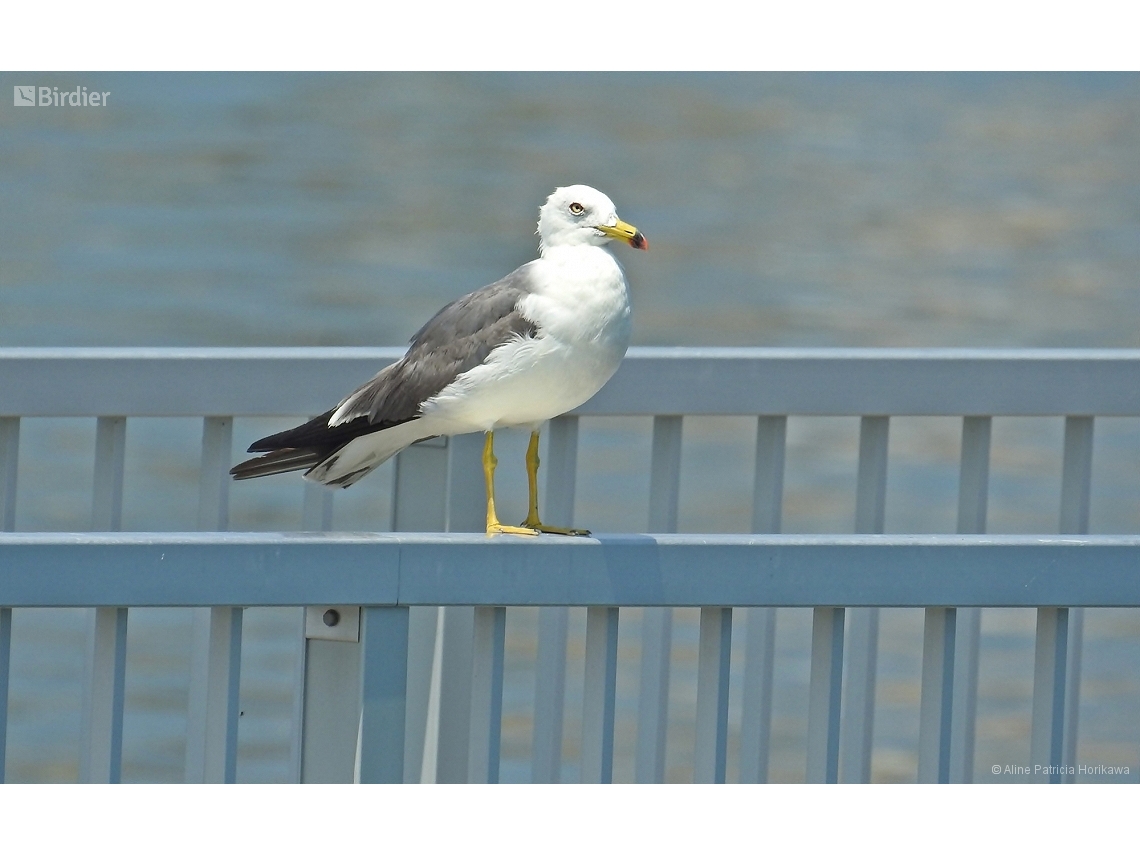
582,216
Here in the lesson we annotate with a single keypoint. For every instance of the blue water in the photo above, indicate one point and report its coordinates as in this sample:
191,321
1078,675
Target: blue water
782,209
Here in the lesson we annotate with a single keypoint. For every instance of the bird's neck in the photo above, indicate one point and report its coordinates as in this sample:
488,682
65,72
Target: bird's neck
574,252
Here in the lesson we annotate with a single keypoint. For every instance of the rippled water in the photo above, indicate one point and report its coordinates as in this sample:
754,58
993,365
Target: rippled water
301,209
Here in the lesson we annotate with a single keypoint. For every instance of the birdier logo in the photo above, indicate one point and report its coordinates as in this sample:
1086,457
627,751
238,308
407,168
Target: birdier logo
50,96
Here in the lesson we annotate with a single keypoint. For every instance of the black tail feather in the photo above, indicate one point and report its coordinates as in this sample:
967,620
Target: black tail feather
281,460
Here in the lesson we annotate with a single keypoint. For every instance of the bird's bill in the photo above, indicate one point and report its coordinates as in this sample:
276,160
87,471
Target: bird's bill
626,232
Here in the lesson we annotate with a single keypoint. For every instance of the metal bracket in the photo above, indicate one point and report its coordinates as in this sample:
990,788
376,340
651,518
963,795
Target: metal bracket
333,623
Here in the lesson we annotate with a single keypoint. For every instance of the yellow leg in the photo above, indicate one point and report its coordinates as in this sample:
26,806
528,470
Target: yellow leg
489,464
532,521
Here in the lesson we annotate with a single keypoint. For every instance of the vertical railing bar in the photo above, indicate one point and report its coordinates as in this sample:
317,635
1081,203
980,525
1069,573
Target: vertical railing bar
1056,688
5,671
550,693
760,632
213,475
598,704
756,702
974,474
101,735
1076,475
422,728
332,710
657,623
713,661
466,507
937,698
768,478
973,495
9,459
419,503
665,473
824,695
297,713
1071,707
487,694
215,675
233,699
429,761
110,451
560,465
1076,494
456,663
863,623
384,695
316,515
9,466
653,695
215,670
1049,663
946,744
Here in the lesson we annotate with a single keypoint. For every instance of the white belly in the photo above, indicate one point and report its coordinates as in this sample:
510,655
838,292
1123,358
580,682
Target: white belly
524,383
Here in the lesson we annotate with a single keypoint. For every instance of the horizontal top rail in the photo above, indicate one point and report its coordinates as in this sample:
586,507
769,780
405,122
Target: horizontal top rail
651,381
247,569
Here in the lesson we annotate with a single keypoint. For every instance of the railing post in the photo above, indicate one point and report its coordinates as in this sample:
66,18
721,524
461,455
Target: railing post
466,506
331,699
937,697
101,736
5,670
824,695
316,515
657,623
9,465
1056,673
487,695
715,648
1076,492
599,695
560,464
215,670
550,693
973,494
383,694
863,623
419,503
1049,677
760,635
9,455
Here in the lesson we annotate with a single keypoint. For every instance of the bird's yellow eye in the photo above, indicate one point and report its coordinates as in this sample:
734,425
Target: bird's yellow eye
576,209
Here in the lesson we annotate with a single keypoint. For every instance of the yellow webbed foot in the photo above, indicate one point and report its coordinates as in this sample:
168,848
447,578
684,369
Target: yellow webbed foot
536,527
499,528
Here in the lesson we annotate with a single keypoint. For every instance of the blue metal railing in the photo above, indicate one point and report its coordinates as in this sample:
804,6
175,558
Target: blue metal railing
438,601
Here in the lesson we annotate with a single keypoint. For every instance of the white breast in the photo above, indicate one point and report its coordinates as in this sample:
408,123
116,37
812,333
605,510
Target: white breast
580,306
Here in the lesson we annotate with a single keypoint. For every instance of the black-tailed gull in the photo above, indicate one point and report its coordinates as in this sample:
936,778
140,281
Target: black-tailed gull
536,344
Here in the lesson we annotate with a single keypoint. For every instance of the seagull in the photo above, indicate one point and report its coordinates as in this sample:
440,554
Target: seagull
520,351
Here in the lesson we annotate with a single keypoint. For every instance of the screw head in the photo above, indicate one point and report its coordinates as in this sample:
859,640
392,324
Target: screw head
331,617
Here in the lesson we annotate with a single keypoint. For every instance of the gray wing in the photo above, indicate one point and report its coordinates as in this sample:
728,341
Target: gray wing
458,338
